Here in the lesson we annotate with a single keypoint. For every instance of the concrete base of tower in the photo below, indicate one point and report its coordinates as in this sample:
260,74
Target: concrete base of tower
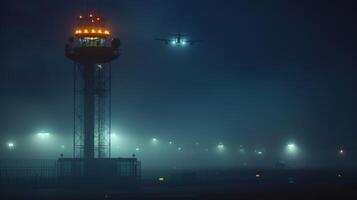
101,172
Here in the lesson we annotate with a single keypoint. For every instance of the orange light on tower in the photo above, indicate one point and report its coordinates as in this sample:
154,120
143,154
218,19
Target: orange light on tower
92,31
93,27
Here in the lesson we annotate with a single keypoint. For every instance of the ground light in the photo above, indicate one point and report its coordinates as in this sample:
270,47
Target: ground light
339,175
341,152
258,175
11,145
241,149
259,152
220,147
43,134
291,149
113,136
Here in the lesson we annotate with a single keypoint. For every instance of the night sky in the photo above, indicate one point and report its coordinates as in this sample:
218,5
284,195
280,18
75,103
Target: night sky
268,72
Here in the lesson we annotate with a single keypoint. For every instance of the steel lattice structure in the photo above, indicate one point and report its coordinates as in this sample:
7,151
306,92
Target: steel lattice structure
92,49
101,111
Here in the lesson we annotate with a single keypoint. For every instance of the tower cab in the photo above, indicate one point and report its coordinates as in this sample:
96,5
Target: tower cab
91,42
91,31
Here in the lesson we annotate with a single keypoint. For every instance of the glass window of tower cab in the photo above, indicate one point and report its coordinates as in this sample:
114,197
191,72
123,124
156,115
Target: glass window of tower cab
91,31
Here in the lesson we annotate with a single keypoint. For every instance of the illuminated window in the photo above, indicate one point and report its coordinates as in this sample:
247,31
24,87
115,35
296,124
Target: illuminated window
92,41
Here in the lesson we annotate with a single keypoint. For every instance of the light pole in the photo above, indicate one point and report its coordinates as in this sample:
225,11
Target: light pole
10,146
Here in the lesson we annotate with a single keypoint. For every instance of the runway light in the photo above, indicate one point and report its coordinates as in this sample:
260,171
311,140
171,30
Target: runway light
161,179
173,42
179,149
170,142
153,140
137,149
183,42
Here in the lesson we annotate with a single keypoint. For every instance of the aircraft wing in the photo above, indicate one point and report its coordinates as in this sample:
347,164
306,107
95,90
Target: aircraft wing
162,40
191,42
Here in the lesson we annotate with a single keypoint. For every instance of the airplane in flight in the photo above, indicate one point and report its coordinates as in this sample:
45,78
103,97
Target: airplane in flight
178,39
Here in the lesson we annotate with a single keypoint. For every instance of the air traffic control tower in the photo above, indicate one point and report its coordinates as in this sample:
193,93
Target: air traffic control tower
92,52
92,49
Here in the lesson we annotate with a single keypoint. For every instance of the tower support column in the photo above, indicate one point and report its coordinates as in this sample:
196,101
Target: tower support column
89,110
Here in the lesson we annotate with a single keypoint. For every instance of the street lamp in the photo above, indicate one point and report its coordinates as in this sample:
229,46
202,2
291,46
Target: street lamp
220,147
11,145
291,149
43,134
